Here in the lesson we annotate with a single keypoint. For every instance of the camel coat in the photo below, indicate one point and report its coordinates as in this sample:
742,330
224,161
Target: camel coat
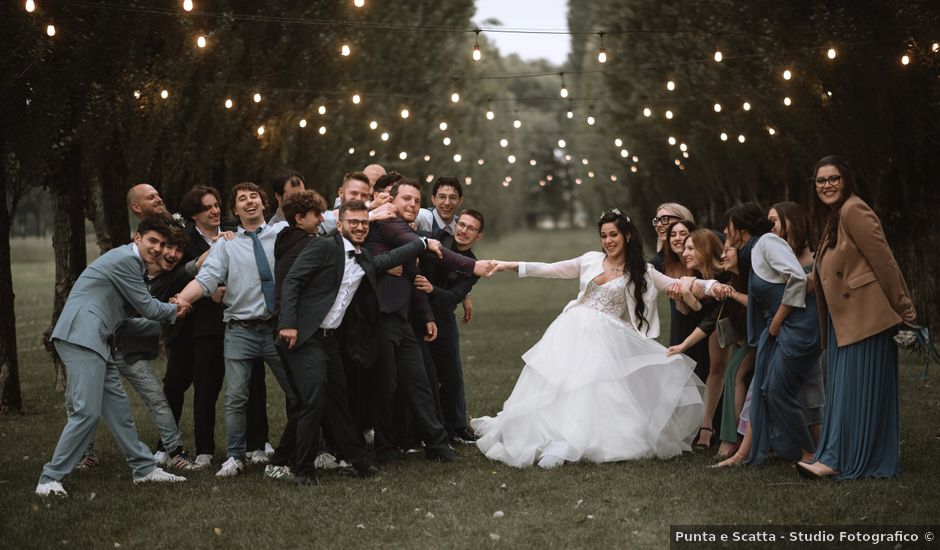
858,282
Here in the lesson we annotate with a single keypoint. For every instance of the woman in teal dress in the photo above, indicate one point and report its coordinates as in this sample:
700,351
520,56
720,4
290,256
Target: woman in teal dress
862,299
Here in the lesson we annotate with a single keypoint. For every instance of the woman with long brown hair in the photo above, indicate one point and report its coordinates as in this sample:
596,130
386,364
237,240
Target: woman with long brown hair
862,298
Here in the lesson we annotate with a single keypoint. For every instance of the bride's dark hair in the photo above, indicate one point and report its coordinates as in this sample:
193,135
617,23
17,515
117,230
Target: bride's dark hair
633,262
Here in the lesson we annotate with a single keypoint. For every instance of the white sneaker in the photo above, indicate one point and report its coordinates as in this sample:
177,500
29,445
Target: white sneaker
53,488
203,461
230,468
257,457
326,461
160,457
268,450
278,473
159,476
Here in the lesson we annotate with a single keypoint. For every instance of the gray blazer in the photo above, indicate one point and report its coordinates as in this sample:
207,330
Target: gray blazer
109,291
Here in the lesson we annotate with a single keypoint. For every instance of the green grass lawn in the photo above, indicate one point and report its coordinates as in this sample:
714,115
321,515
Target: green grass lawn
426,505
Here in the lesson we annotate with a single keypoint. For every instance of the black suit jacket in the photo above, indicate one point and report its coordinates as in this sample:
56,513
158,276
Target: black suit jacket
450,287
397,294
310,287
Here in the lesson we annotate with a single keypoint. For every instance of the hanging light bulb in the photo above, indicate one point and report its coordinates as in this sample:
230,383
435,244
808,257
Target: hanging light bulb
570,114
477,54
787,75
322,130
717,107
373,125
165,94
517,124
671,86
724,136
136,94
384,136
457,157
771,131
30,6
442,126
359,3
257,97
481,162
590,121
935,47
787,101
905,59
201,41
446,141
683,147
351,150
427,158
669,115
562,144
718,56
403,155
618,142
602,53
504,143
356,98
490,115
188,5
344,49
511,159
741,138
302,123
746,106
50,30
229,103
405,113
564,89
671,140
624,153
321,109
647,112
532,162
831,54
260,130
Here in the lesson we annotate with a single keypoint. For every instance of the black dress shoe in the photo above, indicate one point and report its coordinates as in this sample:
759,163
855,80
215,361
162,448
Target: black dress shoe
441,454
363,471
464,437
307,481
389,457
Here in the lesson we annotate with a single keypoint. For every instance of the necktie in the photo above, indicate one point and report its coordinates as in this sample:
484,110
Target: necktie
351,254
264,269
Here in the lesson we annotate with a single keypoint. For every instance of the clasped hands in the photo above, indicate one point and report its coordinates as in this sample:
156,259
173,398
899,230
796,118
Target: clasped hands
182,306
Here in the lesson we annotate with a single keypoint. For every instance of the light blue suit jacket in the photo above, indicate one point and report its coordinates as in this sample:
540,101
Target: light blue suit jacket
108,292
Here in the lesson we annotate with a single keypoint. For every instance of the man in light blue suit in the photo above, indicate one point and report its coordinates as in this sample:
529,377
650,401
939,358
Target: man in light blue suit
108,292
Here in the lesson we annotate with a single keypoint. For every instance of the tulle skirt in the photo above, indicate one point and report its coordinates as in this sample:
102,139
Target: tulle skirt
594,389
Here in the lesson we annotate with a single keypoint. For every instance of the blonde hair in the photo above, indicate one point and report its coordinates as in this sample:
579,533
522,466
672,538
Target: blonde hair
673,209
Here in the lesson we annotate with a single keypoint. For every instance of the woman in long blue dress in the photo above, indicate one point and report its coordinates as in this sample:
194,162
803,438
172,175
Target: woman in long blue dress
862,298
783,327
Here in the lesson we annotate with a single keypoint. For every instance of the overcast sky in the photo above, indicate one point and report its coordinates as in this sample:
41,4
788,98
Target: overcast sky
528,14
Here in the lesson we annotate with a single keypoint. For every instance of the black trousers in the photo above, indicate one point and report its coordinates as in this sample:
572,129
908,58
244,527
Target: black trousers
445,352
400,365
315,370
180,363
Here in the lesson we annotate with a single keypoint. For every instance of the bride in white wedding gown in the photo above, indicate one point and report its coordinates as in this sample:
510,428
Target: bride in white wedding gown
597,386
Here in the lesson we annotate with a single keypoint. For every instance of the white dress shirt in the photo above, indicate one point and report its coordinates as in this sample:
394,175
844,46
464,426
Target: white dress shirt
352,276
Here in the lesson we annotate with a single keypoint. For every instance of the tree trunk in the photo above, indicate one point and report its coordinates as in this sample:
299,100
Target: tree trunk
11,400
68,243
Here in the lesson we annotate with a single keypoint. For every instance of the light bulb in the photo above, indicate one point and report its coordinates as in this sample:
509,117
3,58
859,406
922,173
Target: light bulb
670,85
562,144
517,123
427,158
724,136
787,75
356,98
30,6
457,157
229,103
685,154
564,91
384,136
260,130
322,130
590,121
468,180
511,159
647,112
771,131
787,101
718,56
477,54
741,138
321,109
481,162
618,142
446,141
633,169
302,123
373,125
635,158
371,152
669,115
455,97
613,178
591,173
935,47
50,30
683,147
257,98
504,143
165,94
532,162
671,140
201,41
717,107
359,3
403,155
443,126
136,94
602,56
746,106
344,50
351,150
490,115
188,5
405,113
831,54
624,153
570,114
905,59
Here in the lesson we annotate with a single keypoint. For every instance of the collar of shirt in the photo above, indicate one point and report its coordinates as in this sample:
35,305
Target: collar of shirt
440,222
242,230
206,237
347,246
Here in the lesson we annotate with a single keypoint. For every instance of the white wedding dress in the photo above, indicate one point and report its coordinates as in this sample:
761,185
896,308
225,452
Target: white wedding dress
594,388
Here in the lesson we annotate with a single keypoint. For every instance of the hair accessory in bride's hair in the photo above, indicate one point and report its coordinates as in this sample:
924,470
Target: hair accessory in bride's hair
618,213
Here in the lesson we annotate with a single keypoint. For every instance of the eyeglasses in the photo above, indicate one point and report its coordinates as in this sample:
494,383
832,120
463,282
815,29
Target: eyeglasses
468,228
832,180
356,223
664,220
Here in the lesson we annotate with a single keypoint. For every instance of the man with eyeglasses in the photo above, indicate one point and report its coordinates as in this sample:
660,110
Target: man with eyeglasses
326,279
446,289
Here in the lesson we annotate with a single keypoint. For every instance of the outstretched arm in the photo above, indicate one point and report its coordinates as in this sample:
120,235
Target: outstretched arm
566,269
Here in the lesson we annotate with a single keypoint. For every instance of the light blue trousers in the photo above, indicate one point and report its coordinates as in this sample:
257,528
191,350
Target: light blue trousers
94,391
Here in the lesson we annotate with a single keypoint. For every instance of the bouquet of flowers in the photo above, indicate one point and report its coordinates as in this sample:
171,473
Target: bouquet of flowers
916,341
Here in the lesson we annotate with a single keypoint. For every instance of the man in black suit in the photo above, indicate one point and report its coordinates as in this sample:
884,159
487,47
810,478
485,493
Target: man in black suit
400,361
315,294
445,289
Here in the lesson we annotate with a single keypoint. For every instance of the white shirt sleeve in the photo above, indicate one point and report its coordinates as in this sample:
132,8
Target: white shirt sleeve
567,269
424,220
214,270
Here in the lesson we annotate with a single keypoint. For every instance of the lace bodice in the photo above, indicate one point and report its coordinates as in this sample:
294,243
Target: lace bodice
607,298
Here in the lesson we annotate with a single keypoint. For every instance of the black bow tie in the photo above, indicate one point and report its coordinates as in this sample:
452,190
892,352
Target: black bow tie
351,253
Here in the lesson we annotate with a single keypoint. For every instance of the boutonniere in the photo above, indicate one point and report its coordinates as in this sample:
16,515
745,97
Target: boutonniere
178,219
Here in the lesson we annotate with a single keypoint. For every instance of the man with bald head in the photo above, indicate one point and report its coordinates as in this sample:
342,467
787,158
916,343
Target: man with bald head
373,172
145,202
